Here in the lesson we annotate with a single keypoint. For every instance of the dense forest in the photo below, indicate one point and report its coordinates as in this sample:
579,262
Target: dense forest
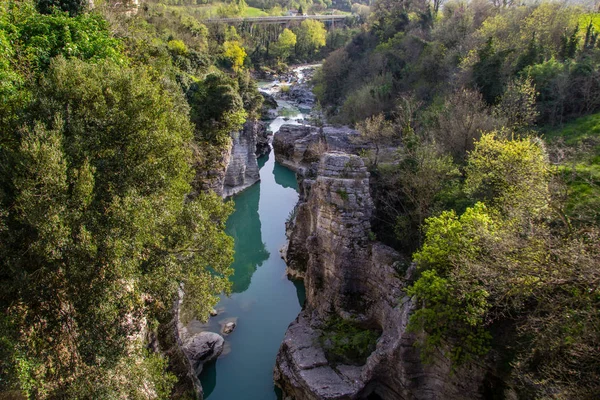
484,117
486,171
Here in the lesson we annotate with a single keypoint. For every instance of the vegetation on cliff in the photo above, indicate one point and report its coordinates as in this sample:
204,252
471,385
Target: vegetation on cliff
103,118
492,195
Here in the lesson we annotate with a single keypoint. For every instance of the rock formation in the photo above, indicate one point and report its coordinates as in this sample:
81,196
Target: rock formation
299,147
202,348
236,165
169,341
349,276
242,168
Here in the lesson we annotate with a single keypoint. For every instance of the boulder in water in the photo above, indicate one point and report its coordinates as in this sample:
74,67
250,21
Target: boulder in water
202,348
229,327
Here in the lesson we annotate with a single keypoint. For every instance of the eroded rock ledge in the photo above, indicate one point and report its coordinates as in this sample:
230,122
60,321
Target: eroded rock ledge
349,275
299,147
237,163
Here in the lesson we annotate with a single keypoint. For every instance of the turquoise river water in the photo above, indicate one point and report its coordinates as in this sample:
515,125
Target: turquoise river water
264,301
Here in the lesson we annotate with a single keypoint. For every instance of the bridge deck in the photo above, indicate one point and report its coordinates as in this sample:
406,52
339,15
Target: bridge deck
275,20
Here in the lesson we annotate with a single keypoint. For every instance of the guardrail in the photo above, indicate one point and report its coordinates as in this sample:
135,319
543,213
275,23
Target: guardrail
278,19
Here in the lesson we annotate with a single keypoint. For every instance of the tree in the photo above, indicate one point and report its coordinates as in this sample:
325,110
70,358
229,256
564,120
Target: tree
392,16
461,122
512,175
487,72
234,54
311,36
413,187
378,132
73,7
517,104
217,108
96,235
285,44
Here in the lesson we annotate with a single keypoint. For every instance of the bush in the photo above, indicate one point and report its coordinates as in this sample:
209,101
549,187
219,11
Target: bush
348,342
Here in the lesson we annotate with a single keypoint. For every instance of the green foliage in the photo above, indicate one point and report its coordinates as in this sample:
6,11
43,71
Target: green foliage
419,182
343,194
447,316
39,38
177,47
216,108
517,104
487,72
73,7
285,44
576,146
234,54
251,97
347,342
447,235
311,36
94,201
512,175
472,45
378,132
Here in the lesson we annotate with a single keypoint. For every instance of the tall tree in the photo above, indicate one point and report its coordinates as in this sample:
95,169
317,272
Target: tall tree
311,36
96,234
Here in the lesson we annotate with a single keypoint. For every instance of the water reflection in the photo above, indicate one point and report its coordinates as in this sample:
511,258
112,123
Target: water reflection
284,177
245,228
209,378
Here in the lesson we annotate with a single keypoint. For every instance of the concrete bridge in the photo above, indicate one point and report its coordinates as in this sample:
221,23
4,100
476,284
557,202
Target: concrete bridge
328,19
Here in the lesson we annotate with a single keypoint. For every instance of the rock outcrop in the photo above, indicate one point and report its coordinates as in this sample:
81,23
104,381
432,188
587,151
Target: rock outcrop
236,164
168,340
349,276
299,147
202,348
242,168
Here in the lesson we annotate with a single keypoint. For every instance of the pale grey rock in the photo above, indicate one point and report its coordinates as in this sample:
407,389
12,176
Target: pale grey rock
348,275
299,147
242,169
238,165
202,348
229,327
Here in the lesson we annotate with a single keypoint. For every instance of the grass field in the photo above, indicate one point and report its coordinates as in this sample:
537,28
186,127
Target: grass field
580,140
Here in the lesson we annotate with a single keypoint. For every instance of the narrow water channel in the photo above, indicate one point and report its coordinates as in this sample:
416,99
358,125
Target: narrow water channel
264,301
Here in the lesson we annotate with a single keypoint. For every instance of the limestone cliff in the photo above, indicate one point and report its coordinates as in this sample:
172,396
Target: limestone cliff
349,275
299,147
234,167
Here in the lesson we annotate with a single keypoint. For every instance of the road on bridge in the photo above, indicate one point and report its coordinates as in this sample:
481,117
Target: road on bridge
278,20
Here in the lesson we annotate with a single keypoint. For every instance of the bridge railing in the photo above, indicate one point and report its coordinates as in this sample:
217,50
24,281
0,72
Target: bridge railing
276,19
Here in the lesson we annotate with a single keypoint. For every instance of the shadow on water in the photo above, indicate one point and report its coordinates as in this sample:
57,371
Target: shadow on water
284,177
209,378
263,160
300,291
245,228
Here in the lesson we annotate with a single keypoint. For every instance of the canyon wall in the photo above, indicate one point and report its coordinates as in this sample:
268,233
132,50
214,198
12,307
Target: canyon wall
299,147
234,167
351,276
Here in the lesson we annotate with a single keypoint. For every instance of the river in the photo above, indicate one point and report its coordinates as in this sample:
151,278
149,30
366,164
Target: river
264,301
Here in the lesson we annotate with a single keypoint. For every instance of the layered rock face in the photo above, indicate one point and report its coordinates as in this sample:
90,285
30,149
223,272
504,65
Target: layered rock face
242,168
238,166
299,147
350,276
